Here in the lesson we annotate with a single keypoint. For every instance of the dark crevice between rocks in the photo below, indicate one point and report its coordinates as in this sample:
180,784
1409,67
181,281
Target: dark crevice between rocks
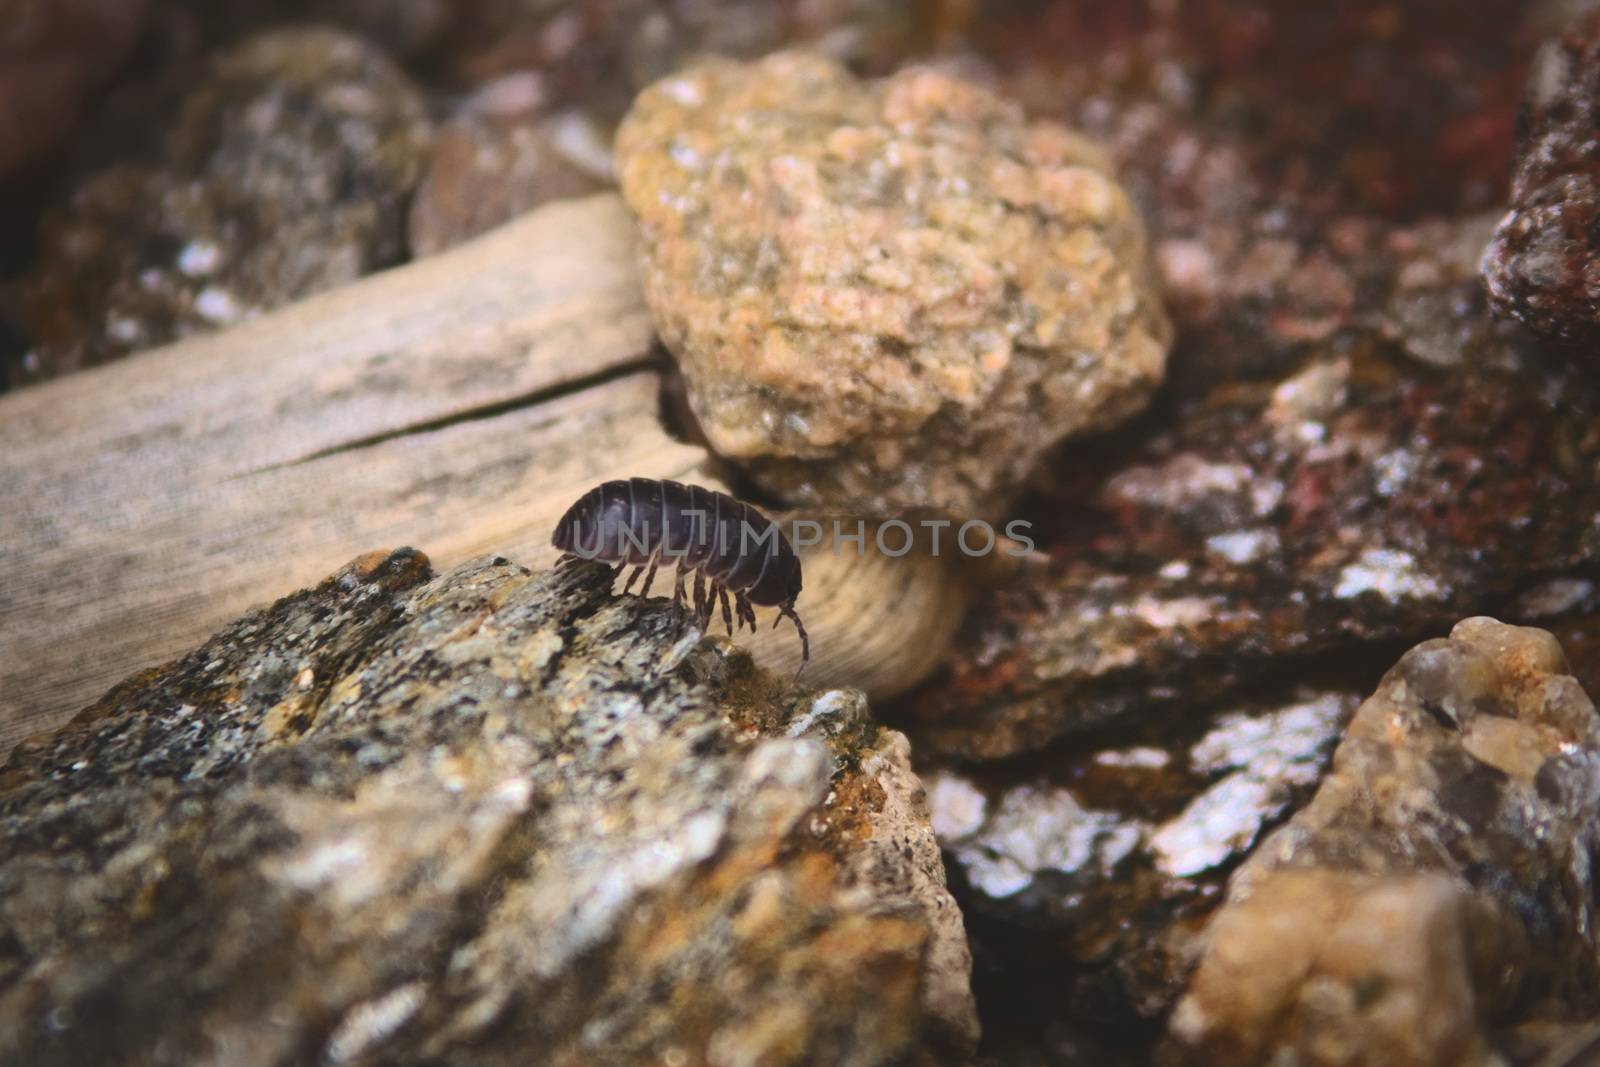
1119,715
473,414
681,424
677,417
13,351
1025,983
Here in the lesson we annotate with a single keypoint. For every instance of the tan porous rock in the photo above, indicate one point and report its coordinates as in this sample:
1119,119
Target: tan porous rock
885,295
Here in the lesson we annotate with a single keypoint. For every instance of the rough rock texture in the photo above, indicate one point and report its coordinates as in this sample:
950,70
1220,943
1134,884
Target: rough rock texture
1544,263
501,155
401,820
286,172
1092,873
1439,885
1319,184
1422,465
885,295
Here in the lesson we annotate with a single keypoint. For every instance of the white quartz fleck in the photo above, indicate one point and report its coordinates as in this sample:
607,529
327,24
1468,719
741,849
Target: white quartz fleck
199,258
1271,742
1390,573
370,1022
1265,758
1216,824
216,305
1142,756
1039,829
1169,614
1243,546
1180,483
958,807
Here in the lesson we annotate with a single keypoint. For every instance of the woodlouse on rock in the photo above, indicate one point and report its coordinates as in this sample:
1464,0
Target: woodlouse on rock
646,522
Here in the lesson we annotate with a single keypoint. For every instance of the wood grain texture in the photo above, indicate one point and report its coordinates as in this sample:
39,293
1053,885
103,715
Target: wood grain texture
457,404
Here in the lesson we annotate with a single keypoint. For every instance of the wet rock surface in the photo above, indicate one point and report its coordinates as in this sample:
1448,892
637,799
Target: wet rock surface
1541,266
1438,887
406,819
885,295
286,172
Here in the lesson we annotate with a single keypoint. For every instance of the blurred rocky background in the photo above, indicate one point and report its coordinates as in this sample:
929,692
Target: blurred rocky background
1213,784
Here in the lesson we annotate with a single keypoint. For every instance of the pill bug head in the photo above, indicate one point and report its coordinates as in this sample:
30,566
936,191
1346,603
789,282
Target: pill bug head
577,533
565,535
781,583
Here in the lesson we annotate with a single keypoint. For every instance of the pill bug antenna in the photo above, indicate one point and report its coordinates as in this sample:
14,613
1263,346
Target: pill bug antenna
805,642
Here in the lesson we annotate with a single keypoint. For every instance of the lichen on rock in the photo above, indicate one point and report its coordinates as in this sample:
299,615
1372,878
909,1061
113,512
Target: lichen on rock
885,295
405,819
1439,886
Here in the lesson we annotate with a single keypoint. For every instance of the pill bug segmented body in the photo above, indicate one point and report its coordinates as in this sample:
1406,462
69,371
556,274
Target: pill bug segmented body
646,523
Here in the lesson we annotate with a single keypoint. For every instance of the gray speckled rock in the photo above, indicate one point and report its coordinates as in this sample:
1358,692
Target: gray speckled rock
885,295
397,819
286,171
1437,890
1541,265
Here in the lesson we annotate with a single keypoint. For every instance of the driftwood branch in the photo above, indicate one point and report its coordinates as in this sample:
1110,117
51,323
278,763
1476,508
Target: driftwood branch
459,404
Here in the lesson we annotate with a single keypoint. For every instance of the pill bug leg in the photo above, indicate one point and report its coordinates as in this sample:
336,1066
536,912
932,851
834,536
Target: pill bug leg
747,613
649,577
678,591
701,612
634,577
727,611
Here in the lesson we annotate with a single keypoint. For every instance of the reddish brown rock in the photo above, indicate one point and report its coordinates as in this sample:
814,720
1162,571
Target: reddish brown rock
1092,871
1433,467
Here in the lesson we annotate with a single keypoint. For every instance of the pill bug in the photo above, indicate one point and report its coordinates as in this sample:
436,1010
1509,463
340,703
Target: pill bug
646,523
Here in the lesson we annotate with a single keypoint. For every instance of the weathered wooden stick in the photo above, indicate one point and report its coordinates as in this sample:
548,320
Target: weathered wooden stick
457,404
